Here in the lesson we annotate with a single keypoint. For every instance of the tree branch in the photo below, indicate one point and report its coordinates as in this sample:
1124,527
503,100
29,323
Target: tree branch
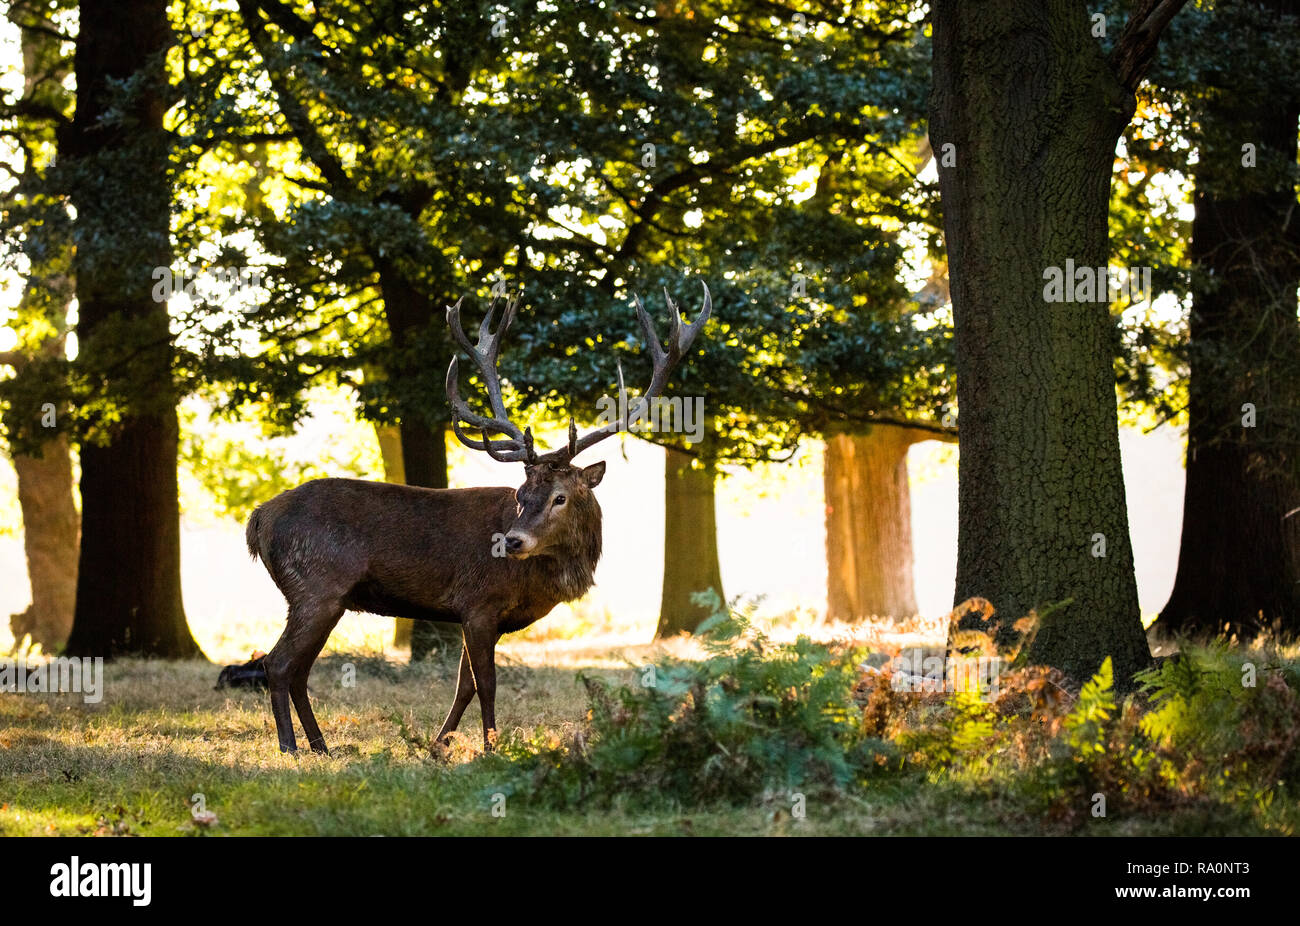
693,173
309,184
246,138
34,109
46,29
1136,47
932,431
295,113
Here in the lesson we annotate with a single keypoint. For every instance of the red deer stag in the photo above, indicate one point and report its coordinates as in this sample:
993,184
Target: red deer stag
493,560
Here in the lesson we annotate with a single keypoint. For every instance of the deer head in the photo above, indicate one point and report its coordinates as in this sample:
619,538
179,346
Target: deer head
555,493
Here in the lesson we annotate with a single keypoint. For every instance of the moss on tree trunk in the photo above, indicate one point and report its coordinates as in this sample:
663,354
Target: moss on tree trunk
1025,114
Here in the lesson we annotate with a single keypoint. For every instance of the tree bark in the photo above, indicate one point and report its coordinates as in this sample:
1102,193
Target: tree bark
1033,110
51,529
690,544
1239,557
869,525
129,579
51,523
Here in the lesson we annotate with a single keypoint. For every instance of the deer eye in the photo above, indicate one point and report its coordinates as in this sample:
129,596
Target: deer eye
559,500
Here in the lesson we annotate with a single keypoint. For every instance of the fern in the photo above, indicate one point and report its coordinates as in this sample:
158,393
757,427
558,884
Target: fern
753,718
1086,724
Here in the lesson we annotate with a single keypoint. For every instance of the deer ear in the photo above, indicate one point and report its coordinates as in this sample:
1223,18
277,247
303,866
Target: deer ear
593,474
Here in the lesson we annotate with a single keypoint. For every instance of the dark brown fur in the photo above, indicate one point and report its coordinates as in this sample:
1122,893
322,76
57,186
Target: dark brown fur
334,545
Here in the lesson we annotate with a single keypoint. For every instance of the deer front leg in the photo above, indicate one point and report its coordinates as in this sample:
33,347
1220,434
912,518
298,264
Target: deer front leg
480,646
464,694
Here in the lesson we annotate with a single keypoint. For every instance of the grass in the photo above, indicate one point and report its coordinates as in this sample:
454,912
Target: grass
133,763
163,739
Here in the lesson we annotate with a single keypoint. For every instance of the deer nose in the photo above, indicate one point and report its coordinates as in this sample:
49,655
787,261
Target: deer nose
514,544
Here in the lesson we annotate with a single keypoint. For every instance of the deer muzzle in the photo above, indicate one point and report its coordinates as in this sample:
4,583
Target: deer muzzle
520,544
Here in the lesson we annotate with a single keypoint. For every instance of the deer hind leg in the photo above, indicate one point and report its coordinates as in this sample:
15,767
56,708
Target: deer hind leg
277,680
464,694
288,665
324,619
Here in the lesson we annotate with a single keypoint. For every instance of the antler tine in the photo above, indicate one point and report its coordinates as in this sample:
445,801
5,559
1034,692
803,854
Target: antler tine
676,317
526,455
486,343
490,344
487,445
648,330
519,444
622,393
457,332
679,342
683,337
508,317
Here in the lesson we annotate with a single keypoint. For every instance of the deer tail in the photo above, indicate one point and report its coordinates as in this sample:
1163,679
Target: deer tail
251,532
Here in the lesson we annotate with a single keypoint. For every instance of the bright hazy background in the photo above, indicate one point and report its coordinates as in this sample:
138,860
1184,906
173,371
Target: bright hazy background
771,539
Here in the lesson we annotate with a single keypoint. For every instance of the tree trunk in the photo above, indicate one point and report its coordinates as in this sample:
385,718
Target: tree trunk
51,527
1033,110
1239,559
390,449
868,525
690,544
423,430
51,523
129,578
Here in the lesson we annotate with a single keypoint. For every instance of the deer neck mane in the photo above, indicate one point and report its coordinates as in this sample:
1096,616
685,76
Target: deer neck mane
570,570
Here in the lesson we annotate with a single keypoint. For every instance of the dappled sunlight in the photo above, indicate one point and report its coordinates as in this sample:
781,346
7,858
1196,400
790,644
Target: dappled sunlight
745,341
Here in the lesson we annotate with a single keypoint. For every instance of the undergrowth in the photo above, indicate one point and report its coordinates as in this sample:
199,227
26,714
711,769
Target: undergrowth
1211,730
752,717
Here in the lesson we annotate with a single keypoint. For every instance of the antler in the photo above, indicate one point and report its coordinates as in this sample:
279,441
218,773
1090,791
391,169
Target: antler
519,444
679,342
